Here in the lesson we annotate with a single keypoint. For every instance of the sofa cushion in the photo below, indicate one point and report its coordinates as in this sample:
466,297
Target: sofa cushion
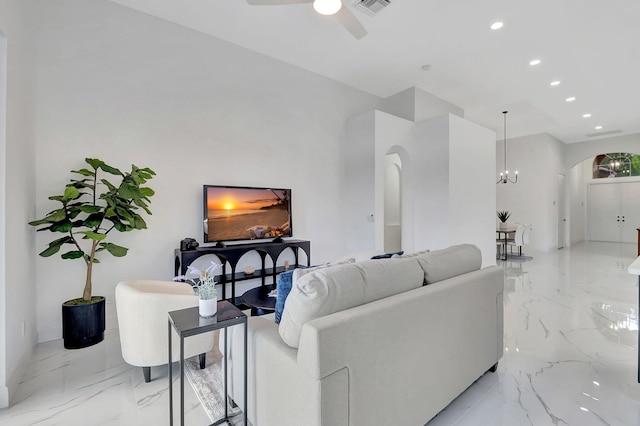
417,253
387,255
286,280
361,255
300,272
442,264
284,287
328,290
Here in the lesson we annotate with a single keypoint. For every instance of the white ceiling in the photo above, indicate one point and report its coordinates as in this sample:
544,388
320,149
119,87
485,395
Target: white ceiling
591,46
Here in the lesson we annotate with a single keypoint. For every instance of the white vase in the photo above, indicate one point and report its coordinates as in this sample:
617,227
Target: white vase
503,225
207,308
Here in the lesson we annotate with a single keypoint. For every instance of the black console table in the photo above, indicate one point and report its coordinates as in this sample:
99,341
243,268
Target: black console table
233,253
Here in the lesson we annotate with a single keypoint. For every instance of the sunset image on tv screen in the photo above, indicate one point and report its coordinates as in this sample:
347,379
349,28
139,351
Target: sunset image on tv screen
247,213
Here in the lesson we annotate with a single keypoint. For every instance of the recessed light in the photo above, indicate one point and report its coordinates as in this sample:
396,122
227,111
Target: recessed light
534,62
587,115
555,83
497,25
570,99
598,128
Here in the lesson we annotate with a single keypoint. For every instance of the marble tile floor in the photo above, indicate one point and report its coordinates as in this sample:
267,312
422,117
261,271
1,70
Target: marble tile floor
571,330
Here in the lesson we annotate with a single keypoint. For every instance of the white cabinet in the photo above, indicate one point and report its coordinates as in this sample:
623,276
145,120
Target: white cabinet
614,211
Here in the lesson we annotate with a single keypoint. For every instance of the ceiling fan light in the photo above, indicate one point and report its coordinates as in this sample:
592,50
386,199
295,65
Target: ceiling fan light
327,7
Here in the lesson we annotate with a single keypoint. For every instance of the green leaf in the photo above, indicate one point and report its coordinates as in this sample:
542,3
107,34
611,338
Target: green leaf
108,184
93,220
139,222
56,198
51,250
94,162
38,222
129,191
147,192
62,226
143,205
90,209
111,170
119,226
53,217
83,172
93,235
115,250
75,254
82,184
54,246
70,193
148,172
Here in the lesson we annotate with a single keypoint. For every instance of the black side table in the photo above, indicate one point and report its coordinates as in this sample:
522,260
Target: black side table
188,322
259,301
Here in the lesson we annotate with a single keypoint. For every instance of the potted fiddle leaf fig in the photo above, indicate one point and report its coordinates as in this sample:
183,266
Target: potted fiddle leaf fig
91,208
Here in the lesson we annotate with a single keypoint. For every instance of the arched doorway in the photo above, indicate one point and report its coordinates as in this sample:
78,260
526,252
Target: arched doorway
604,198
392,203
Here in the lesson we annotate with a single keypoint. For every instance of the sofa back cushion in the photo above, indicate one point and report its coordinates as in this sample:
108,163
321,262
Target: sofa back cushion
447,263
325,291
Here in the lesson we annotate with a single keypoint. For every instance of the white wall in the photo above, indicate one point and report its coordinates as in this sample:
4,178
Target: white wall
533,200
17,311
357,192
415,104
429,152
472,191
578,207
448,195
577,152
126,87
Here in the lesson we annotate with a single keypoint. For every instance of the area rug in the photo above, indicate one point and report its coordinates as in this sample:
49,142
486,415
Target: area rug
208,383
516,258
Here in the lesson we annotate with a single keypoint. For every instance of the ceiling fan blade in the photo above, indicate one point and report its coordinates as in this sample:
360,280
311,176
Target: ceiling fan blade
350,22
276,2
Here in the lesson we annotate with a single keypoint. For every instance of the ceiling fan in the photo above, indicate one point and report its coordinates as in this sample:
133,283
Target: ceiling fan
324,7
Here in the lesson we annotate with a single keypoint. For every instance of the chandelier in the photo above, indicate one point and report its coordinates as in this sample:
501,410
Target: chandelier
504,175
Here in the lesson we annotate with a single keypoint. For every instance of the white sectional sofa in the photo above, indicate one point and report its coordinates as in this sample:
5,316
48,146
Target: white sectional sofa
377,342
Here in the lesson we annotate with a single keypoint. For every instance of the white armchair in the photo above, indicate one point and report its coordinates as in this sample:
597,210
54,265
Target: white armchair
142,307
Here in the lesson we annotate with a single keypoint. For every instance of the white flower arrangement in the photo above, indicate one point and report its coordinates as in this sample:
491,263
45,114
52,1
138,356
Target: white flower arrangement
204,285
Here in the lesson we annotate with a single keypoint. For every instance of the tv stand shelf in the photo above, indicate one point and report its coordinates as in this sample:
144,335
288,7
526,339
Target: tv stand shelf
231,255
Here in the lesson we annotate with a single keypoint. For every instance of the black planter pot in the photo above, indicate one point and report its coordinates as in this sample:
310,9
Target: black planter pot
83,325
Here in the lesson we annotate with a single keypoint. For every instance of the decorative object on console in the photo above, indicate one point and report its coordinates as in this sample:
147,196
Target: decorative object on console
91,208
503,215
504,175
249,270
231,255
204,285
188,244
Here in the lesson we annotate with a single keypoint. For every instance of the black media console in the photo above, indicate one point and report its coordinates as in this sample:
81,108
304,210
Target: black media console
231,254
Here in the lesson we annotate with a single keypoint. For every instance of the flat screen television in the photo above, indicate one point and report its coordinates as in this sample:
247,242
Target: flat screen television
233,213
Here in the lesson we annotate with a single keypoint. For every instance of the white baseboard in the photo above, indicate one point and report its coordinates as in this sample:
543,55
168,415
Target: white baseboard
49,334
4,397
